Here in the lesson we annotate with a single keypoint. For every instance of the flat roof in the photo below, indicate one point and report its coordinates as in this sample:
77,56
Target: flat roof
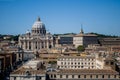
23,70
84,35
77,57
85,71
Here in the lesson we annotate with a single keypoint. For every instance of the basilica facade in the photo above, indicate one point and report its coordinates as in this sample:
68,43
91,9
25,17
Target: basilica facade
37,38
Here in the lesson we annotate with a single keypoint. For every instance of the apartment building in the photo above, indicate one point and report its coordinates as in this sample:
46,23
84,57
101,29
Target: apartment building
83,74
76,62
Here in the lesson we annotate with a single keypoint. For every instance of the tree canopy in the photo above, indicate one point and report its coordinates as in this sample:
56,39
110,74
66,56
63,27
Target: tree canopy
80,48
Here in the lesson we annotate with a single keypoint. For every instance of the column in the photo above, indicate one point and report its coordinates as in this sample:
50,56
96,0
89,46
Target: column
23,44
28,45
40,45
44,44
37,45
31,45
47,44
51,43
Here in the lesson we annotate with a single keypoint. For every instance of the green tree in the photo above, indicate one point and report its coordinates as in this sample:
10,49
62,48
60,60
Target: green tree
80,48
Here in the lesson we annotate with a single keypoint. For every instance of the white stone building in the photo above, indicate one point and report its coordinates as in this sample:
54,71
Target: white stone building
84,39
84,68
84,74
76,62
37,39
85,62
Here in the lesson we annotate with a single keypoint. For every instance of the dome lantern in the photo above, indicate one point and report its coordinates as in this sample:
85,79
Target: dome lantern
38,19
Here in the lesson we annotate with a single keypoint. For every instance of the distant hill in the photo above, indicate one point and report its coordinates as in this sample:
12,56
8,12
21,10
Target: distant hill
104,36
15,37
99,35
9,37
65,34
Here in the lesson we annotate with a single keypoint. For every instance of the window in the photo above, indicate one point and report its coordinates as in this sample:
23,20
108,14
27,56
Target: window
54,76
30,47
108,76
14,78
39,78
78,76
84,76
60,76
92,66
19,55
96,76
90,76
81,66
72,76
51,76
66,76
102,76
112,63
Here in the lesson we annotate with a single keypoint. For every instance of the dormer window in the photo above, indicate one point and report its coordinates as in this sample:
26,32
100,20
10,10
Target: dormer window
28,73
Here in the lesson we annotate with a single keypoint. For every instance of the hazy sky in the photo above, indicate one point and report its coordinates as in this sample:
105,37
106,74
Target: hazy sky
61,16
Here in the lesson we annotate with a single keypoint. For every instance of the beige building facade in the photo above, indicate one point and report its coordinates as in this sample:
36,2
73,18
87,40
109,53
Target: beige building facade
84,74
29,71
76,62
84,39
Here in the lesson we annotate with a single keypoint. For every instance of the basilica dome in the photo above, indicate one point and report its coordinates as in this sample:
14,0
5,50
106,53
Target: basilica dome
38,27
38,24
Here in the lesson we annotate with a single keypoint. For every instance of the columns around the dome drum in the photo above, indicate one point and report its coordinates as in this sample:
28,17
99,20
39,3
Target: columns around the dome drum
36,31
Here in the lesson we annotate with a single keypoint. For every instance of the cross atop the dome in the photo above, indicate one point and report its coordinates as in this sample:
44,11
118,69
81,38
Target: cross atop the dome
38,19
